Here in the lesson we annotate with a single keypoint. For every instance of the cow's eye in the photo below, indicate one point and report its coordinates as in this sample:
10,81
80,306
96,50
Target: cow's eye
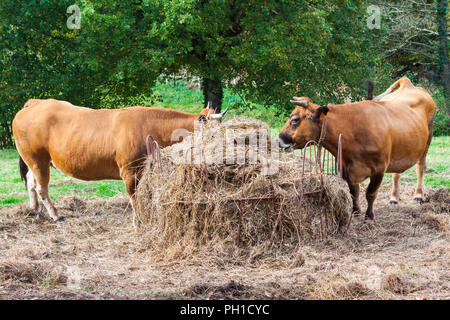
295,121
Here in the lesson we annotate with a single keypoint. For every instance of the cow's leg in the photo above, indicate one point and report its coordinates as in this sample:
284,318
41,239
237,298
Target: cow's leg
31,186
371,193
420,169
42,176
130,180
395,192
421,166
354,191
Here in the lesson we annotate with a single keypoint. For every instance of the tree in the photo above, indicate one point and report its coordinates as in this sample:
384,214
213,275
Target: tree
41,58
82,66
443,62
417,38
416,44
274,48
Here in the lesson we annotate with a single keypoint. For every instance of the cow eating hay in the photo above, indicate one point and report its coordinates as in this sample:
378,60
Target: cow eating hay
235,210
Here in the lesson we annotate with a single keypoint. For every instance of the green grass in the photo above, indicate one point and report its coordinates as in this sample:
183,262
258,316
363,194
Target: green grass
179,97
12,200
438,165
13,190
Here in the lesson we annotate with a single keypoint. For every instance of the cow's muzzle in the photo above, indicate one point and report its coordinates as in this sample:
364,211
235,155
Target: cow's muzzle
286,146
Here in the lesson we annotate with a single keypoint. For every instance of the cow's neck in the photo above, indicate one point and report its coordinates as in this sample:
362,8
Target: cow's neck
334,122
169,128
188,123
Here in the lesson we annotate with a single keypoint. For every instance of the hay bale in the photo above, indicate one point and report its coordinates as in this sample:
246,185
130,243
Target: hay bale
196,207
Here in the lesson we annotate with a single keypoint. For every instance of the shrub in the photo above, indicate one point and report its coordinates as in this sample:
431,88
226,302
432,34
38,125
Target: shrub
442,117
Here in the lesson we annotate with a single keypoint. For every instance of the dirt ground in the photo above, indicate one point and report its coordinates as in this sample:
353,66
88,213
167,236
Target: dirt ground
95,254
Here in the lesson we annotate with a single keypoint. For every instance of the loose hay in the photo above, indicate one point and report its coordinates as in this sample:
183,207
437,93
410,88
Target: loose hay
97,237
194,209
30,273
438,201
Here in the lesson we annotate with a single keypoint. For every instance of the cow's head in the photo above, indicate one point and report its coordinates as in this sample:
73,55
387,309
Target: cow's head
209,113
303,125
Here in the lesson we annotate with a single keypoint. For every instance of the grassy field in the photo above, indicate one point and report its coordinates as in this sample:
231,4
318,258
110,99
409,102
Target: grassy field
178,96
438,165
403,256
12,189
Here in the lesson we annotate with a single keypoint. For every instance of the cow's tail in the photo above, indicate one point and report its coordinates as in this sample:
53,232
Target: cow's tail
23,170
369,90
430,135
399,83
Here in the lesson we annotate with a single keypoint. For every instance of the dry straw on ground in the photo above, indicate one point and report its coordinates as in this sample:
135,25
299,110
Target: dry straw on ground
195,210
403,255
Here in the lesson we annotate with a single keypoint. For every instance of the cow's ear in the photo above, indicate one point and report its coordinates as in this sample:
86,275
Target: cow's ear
320,113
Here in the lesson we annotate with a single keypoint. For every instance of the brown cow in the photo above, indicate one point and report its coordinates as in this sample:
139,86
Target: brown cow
90,144
390,134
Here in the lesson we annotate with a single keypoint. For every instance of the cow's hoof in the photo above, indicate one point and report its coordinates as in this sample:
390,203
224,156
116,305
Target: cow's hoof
369,223
59,219
393,201
419,199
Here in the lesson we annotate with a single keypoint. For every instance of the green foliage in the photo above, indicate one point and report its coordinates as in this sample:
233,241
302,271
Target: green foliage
48,283
441,125
437,174
275,48
443,61
179,97
416,38
11,200
40,57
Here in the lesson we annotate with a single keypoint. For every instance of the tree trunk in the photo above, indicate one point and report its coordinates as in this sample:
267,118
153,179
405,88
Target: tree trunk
444,68
213,93
6,140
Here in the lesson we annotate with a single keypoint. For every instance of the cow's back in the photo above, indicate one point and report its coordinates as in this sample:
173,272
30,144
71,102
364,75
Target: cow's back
94,144
133,124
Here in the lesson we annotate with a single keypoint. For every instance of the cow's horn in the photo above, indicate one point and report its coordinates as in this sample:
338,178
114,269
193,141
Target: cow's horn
303,104
224,112
218,115
209,106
